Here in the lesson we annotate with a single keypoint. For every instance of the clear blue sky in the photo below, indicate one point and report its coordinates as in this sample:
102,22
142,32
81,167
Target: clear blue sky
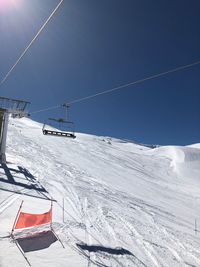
94,45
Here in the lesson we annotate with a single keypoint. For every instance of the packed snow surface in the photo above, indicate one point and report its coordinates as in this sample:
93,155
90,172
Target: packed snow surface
124,204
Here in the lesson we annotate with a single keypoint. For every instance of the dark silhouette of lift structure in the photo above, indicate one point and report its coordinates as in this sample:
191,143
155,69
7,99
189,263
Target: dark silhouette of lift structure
19,180
60,127
9,107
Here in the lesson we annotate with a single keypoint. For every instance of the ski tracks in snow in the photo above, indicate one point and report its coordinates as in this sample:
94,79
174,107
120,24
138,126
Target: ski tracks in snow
8,201
83,194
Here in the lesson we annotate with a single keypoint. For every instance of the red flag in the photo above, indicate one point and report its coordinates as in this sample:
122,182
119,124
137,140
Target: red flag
26,220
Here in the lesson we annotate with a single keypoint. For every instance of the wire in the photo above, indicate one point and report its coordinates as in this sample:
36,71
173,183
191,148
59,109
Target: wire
45,109
134,82
122,86
30,44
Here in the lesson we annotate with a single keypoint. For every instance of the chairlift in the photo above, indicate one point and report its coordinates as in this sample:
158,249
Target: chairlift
59,127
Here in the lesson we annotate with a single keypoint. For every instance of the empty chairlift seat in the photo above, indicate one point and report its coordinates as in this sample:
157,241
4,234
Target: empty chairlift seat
59,127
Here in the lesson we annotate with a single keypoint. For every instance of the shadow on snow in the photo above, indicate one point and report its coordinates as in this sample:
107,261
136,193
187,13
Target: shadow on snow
113,251
36,242
22,179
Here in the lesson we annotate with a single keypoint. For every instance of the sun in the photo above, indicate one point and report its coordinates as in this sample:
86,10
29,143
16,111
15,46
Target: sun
5,5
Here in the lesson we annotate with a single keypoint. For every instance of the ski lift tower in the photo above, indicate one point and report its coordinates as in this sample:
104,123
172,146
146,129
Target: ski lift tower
15,108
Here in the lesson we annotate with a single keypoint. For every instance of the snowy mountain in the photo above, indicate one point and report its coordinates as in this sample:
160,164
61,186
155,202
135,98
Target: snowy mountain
125,204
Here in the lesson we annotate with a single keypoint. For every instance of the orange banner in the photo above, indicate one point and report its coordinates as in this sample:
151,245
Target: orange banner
26,220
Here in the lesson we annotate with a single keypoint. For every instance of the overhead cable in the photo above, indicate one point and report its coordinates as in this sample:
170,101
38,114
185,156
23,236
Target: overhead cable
30,44
122,86
46,109
134,82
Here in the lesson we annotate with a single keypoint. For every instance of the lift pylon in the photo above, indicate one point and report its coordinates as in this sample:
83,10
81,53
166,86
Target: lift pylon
15,108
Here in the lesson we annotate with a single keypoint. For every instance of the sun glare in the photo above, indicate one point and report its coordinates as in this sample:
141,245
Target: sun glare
5,5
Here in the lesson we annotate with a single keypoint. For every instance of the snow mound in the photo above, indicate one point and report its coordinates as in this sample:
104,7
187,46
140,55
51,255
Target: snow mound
179,156
195,145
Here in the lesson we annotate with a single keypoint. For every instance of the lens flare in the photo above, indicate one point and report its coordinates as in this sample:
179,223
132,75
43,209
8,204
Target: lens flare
6,5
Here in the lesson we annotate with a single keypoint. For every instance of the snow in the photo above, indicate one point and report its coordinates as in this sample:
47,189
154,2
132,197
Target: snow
125,204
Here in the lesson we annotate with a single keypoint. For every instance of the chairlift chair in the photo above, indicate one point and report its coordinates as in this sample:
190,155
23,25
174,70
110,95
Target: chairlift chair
59,127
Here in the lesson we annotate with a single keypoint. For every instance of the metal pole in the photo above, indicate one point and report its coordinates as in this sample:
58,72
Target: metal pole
20,249
57,238
195,226
63,210
51,213
52,227
66,107
4,129
16,218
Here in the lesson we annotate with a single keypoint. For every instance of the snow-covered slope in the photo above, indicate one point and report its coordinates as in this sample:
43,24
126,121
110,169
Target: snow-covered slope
125,204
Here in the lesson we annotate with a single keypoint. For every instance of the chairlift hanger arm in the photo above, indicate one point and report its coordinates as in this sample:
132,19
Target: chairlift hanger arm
61,120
